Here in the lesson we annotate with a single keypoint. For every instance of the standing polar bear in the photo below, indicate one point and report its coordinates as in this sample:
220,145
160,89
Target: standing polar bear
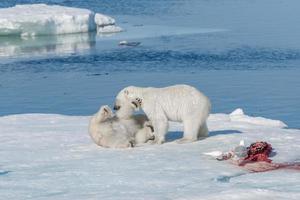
180,103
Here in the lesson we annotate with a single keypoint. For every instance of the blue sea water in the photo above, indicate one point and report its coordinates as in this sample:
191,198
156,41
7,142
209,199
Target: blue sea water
240,53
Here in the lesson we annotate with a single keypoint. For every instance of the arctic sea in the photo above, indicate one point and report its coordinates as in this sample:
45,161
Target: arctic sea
240,53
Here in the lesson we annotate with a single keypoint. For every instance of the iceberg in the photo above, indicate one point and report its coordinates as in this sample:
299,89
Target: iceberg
103,20
106,24
51,156
41,19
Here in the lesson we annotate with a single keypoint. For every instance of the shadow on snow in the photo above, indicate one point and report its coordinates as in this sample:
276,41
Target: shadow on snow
175,135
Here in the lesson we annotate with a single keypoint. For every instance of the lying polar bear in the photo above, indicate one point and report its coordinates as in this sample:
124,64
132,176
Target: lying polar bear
181,103
112,131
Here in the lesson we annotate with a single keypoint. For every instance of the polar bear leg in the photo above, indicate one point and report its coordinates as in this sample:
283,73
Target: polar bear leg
159,121
161,127
203,131
191,129
145,134
116,141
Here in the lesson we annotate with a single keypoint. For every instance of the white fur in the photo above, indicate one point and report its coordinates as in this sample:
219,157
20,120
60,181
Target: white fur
112,131
145,134
181,103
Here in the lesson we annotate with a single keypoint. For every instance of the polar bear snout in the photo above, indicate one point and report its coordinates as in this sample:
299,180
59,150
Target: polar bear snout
152,137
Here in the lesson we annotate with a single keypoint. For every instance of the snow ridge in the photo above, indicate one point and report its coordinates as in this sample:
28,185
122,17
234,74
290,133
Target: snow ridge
239,116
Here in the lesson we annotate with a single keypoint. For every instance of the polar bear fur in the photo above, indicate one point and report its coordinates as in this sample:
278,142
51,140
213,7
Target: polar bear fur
111,131
145,134
180,103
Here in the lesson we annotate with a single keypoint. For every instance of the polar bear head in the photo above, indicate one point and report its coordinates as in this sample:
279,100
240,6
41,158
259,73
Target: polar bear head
99,124
103,114
127,101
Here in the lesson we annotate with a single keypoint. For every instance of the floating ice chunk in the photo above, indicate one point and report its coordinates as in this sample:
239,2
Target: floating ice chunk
106,24
239,116
104,20
126,43
109,29
40,19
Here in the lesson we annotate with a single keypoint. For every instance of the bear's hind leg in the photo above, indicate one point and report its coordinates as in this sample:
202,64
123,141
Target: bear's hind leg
190,134
203,131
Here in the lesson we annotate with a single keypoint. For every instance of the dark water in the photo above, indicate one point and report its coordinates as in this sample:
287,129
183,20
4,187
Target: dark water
240,53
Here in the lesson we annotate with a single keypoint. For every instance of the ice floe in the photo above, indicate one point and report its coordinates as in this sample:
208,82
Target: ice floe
106,24
103,20
109,29
48,156
30,20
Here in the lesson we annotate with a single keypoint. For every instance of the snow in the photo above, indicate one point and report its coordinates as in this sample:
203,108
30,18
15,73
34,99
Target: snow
238,115
106,24
50,156
30,20
214,154
103,20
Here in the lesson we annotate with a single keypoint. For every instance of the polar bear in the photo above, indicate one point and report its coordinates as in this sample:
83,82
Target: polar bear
145,134
108,130
181,103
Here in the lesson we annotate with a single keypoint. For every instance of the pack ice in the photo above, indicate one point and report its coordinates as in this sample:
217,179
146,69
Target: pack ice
49,156
42,19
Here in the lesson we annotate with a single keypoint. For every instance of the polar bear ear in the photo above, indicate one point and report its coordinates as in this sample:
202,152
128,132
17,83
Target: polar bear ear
126,92
104,113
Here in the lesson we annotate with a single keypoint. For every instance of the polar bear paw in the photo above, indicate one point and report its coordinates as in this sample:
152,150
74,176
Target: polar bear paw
156,141
185,140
